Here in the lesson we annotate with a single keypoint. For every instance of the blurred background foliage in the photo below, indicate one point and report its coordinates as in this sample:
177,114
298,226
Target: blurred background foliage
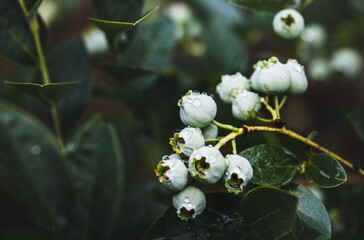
135,80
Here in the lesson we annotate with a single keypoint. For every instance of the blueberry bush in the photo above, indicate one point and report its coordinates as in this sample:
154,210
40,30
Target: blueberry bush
181,119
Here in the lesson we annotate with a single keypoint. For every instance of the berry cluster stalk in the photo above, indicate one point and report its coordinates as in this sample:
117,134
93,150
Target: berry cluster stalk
248,129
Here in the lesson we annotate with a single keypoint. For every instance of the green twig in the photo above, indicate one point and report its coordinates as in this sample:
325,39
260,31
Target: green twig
41,62
268,107
282,102
233,144
212,139
226,126
276,105
265,120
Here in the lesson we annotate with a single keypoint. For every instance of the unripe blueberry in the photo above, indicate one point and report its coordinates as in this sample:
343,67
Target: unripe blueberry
197,109
96,42
319,69
253,78
246,105
172,173
207,165
187,140
189,202
298,78
288,23
314,34
272,77
238,174
347,61
210,131
230,85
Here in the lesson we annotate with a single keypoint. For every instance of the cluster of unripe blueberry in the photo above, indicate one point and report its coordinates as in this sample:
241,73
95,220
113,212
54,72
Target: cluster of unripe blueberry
206,164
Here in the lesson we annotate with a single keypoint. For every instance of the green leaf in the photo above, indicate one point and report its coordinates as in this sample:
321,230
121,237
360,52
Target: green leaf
32,14
312,222
266,5
357,120
220,220
38,176
151,46
270,211
97,166
225,51
118,10
325,171
149,50
16,39
112,28
44,92
272,165
67,63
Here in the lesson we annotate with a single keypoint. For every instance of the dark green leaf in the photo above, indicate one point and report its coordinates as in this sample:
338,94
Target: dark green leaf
118,10
145,203
97,165
272,165
38,172
68,63
325,171
34,10
225,52
270,211
151,46
357,120
221,219
112,28
312,135
16,39
312,222
265,5
44,92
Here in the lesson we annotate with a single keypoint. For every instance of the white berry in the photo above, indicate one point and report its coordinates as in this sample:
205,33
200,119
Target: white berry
288,23
230,85
197,109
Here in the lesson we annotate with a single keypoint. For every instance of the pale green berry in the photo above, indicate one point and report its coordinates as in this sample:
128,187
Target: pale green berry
187,140
230,85
172,173
253,78
197,109
246,105
96,42
319,69
272,77
314,34
210,131
238,173
206,164
298,78
189,202
347,61
288,23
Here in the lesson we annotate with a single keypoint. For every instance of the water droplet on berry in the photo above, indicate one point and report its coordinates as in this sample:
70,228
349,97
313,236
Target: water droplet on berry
204,93
298,68
189,205
186,200
196,103
244,93
36,150
165,158
236,170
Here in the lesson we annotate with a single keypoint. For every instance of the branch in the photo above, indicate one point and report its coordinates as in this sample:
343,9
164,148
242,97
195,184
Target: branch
300,138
